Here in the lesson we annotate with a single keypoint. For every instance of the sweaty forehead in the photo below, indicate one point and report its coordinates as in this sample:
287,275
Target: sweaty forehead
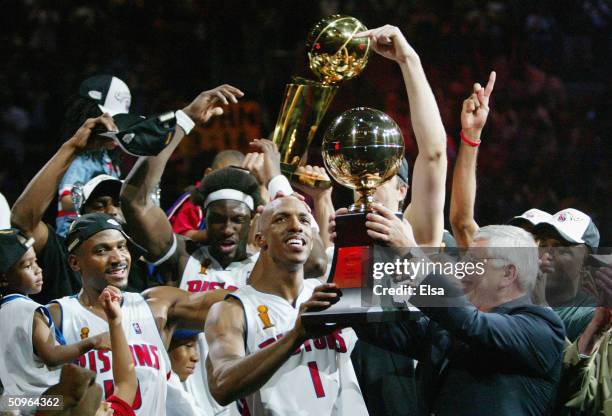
288,204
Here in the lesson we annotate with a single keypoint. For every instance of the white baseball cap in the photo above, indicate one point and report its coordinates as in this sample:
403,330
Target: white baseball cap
532,216
99,184
110,93
573,226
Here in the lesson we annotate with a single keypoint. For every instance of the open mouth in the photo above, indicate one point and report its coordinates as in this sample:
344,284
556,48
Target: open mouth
227,246
295,242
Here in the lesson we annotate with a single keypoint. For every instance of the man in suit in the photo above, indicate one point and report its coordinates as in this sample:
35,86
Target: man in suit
483,348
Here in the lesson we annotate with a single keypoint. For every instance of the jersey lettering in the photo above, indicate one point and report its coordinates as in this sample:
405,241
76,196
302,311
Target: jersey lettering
204,285
333,341
98,361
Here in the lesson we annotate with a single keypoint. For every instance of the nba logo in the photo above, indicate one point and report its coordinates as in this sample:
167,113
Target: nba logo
137,328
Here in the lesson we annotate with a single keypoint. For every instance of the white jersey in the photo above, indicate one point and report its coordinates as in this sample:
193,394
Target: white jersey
202,273
148,351
180,402
21,371
318,379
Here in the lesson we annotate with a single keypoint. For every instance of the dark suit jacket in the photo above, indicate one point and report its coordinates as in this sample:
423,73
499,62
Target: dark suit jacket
503,362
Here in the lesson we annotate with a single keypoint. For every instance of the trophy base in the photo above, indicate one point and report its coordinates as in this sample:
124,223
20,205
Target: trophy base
302,178
350,271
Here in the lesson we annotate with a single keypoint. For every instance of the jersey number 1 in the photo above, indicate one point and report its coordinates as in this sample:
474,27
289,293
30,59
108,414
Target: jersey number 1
316,379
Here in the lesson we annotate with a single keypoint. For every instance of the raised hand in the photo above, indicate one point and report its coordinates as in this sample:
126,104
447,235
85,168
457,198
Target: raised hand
316,172
271,159
83,140
476,109
208,103
110,299
389,42
254,163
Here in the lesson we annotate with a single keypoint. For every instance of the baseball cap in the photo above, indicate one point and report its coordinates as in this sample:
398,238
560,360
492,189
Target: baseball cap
573,226
530,217
13,245
182,334
101,185
87,225
141,136
403,171
110,93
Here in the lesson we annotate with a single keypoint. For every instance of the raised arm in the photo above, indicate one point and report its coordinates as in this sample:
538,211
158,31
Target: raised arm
426,209
124,372
52,354
473,118
147,223
231,373
28,211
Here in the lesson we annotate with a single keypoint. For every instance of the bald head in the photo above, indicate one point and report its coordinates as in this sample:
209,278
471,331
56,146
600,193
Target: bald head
227,158
277,204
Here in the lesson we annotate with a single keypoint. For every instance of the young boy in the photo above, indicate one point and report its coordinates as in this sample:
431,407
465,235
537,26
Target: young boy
124,373
184,356
31,348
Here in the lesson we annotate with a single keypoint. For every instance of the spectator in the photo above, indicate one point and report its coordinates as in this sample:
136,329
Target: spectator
97,95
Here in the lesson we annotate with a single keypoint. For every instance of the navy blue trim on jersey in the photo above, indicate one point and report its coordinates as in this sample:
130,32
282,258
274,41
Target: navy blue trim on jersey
14,296
61,325
59,336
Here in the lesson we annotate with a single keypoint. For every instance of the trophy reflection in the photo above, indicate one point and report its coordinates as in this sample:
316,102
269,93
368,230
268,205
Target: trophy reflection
334,55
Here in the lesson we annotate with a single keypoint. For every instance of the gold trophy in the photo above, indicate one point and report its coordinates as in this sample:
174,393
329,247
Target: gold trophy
334,55
362,149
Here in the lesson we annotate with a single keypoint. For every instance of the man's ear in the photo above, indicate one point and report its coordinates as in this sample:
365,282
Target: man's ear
260,241
510,275
73,262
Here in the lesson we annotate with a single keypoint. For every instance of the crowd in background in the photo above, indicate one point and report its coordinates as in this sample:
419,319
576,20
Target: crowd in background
547,134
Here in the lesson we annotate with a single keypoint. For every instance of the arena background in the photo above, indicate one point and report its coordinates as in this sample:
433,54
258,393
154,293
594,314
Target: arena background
546,144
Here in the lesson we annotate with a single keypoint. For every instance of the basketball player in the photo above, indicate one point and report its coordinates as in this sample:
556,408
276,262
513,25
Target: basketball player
97,247
260,353
230,197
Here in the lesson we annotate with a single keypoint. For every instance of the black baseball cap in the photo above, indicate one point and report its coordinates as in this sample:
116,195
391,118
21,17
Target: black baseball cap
13,245
141,136
110,93
87,225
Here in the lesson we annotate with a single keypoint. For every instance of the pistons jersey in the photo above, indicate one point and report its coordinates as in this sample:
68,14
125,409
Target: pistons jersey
318,379
203,273
150,357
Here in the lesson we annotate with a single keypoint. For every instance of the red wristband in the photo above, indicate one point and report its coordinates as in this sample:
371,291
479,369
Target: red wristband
474,143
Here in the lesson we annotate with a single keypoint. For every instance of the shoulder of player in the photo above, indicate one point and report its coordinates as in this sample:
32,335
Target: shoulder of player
229,312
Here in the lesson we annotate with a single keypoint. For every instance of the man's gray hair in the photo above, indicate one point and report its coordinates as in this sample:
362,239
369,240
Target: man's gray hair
513,245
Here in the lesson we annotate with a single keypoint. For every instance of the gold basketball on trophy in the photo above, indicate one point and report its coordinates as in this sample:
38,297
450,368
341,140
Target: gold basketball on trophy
334,53
362,149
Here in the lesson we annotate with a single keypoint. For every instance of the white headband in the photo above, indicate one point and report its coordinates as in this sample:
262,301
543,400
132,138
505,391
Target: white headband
233,194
